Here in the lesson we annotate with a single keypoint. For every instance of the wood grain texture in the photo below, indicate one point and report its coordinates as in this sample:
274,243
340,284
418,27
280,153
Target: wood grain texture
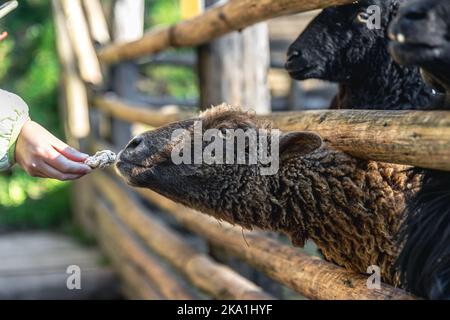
310,276
234,69
215,22
75,102
134,284
215,279
97,21
131,251
80,39
127,25
415,138
121,110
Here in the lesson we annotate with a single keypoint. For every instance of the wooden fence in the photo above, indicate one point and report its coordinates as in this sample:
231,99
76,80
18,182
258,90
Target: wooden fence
150,251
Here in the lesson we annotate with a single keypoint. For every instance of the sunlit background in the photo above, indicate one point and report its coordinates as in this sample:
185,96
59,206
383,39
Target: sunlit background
29,67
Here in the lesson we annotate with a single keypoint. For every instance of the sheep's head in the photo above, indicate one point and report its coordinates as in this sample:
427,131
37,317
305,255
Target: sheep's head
164,160
420,36
343,40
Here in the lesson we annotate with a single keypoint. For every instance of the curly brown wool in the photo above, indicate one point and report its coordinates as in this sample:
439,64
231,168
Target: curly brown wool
351,208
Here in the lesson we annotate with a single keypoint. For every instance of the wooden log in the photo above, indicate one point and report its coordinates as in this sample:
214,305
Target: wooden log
415,138
128,21
167,101
82,197
127,112
75,95
75,110
132,251
189,60
136,286
310,276
78,31
235,15
179,59
97,21
209,276
234,69
128,25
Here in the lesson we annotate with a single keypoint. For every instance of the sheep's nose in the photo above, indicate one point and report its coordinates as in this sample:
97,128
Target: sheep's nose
292,56
135,143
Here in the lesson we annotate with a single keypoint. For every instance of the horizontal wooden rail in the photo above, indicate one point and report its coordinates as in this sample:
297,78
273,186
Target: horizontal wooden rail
415,138
129,113
134,284
219,281
215,22
310,276
125,244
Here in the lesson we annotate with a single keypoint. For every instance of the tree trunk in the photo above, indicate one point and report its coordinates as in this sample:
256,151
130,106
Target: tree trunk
128,25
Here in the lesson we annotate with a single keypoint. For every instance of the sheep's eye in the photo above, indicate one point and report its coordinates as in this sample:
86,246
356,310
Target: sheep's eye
363,17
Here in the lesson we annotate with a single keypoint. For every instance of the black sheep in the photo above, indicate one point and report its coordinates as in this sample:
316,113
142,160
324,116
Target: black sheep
339,47
351,208
421,36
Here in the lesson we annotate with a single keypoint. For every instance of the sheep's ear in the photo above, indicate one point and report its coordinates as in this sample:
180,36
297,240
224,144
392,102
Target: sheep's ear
299,142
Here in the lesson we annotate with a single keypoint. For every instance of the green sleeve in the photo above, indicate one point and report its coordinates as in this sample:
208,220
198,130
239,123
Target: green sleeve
13,115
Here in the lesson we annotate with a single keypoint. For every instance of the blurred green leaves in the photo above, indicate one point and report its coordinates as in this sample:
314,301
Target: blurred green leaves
164,80
162,12
27,202
29,68
5,50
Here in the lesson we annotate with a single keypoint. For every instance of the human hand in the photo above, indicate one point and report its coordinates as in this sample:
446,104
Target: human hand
43,155
3,35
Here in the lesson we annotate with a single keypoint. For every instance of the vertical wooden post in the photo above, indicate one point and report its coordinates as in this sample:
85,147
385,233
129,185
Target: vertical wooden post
78,32
74,107
74,90
97,21
234,69
128,25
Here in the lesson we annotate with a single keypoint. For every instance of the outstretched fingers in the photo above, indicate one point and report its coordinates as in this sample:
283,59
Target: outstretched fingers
46,170
3,36
67,151
65,165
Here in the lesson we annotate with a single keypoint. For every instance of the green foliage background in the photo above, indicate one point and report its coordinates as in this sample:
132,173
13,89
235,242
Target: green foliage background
164,80
29,67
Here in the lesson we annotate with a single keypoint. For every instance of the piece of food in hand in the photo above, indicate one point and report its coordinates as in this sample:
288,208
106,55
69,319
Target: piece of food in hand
101,160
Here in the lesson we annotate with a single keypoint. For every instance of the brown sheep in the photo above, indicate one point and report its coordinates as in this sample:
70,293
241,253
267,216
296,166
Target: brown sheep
351,208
